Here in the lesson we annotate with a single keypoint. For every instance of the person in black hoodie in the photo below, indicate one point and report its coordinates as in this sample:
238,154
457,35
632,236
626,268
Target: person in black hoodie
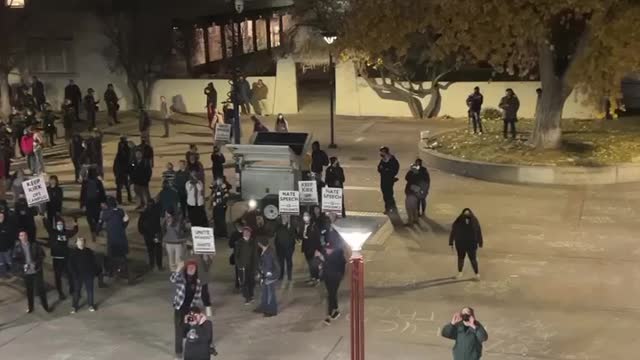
388,168
319,160
217,163
75,153
333,268
92,196
29,256
285,241
466,234
121,169
147,150
7,242
25,218
334,178
198,336
59,244
83,268
310,234
151,230
56,195
140,173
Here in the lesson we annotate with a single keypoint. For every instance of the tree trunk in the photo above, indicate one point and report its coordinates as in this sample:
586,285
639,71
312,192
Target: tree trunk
137,95
5,103
433,107
547,132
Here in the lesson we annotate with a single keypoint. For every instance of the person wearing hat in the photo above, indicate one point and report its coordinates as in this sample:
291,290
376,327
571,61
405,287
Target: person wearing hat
91,107
189,292
269,273
246,253
333,268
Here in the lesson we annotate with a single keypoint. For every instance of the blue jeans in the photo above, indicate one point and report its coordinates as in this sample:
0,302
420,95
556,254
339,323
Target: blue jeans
5,261
268,303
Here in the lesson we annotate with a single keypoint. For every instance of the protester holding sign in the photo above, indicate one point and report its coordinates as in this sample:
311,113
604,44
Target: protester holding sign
35,191
203,240
289,202
332,200
222,132
308,192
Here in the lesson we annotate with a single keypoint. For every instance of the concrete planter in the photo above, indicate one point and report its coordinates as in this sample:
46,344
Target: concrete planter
524,174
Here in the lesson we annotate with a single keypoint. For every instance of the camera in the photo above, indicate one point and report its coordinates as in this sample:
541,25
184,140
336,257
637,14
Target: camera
465,317
191,318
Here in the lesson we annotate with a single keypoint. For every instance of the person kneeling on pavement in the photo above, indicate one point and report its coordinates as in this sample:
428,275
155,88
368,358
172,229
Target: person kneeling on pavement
198,336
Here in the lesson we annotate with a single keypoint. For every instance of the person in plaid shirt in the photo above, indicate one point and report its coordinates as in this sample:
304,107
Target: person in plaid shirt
189,292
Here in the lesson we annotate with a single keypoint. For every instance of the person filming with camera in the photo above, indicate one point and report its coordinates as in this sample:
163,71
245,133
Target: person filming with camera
468,334
198,336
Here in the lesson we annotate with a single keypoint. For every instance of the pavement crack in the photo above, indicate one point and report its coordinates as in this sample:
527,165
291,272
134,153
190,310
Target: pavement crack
335,346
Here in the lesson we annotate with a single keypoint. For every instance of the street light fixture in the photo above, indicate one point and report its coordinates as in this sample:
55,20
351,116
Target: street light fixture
330,38
356,239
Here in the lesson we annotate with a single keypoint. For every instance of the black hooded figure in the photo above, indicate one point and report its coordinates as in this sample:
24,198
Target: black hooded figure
467,236
25,218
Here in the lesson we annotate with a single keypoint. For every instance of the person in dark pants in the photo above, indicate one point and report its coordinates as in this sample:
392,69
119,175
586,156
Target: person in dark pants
28,256
91,107
217,162
269,274
49,125
466,235
219,196
180,181
59,244
140,175
468,334
510,106
310,235
425,182
285,241
198,336
334,178
189,292
8,235
92,196
212,100
319,160
37,90
474,103
111,100
56,196
246,252
73,93
151,230
388,168
25,218
68,118
115,221
121,167
83,266
75,153
235,237
333,268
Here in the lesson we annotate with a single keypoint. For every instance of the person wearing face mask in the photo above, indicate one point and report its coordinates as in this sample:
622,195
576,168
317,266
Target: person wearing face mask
83,267
56,195
219,196
246,252
310,235
334,178
468,334
282,126
414,190
59,244
388,168
285,241
189,292
466,234
29,256
25,218
424,181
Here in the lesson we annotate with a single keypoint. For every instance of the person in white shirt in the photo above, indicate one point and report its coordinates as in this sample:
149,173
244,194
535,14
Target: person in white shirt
195,201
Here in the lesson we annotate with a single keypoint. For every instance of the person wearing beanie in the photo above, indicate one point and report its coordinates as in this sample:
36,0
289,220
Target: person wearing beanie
333,268
189,292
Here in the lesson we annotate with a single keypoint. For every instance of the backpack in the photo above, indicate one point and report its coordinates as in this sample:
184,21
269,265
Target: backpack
26,144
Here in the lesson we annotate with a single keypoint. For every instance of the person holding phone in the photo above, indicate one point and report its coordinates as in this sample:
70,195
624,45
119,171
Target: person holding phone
198,336
468,334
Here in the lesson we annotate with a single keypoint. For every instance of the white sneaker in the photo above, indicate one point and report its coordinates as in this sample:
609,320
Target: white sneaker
92,309
477,277
459,276
73,311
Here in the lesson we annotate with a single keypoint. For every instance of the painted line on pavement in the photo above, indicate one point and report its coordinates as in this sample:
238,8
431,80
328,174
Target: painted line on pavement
365,127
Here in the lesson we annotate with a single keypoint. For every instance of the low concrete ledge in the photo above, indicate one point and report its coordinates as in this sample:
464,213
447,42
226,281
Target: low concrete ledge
525,174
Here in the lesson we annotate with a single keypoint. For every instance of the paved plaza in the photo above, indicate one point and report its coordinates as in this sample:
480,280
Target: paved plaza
559,270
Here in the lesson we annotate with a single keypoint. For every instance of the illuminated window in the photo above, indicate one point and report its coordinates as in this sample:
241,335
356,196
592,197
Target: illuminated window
16,4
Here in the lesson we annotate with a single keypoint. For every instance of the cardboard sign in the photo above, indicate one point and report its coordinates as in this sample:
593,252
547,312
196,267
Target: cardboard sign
203,240
35,191
332,200
223,132
308,192
289,202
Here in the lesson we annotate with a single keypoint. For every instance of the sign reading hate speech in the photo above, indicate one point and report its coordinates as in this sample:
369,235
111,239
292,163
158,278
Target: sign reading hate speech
203,240
35,191
223,132
308,192
289,202
332,200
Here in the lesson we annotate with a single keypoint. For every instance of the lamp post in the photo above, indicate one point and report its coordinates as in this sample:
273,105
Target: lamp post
355,240
330,38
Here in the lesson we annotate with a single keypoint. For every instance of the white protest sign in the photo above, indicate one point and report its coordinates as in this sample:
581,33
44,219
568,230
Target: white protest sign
332,200
308,192
223,132
35,191
289,202
203,240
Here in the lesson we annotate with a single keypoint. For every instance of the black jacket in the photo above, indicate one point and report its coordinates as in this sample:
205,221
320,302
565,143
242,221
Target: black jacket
8,234
474,102
82,263
90,104
147,152
122,160
319,160
198,341
149,221
285,239
217,164
54,206
140,172
310,240
38,90
24,216
466,232
92,191
59,240
73,93
334,264
388,170
37,255
334,177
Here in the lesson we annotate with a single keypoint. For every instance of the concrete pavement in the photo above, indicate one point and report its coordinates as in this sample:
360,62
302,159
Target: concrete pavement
559,272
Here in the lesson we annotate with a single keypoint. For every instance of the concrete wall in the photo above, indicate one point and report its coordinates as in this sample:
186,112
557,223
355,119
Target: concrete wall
188,94
286,89
90,68
356,98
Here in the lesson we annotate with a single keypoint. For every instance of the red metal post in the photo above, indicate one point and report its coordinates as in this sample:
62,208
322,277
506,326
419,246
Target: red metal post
357,307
